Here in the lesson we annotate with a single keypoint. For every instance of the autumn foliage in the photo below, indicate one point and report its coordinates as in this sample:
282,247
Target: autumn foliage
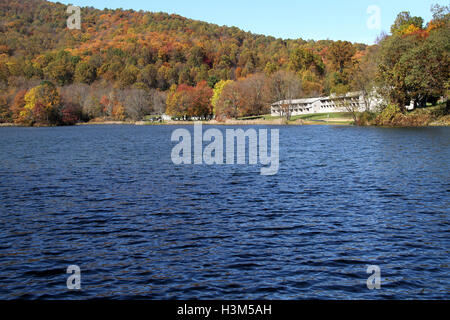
125,64
186,101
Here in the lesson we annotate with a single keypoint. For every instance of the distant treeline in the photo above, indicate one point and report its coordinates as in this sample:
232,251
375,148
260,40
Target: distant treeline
124,64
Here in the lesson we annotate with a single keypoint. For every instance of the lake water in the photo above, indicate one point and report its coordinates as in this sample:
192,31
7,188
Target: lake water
110,200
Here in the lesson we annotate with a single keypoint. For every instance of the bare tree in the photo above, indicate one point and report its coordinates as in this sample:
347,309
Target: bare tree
347,102
255,97
364,78
22,83
91,104
285,86
137,103
75,93
230,101
158,101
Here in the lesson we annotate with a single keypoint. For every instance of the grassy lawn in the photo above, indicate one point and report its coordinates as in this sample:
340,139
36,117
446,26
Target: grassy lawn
251,118
434,114
323,116
269,117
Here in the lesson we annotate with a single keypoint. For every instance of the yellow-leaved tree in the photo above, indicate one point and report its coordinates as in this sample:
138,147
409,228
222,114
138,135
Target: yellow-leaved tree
218,88
42,105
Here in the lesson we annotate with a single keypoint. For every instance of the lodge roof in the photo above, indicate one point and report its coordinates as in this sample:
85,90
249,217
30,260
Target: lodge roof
312,100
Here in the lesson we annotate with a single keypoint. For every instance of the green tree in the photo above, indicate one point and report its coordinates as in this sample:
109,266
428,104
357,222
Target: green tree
270,68
212,81
85,73
62,67
403,21
149,76
128,76
414,67
427,67
4,72
5,112
303,59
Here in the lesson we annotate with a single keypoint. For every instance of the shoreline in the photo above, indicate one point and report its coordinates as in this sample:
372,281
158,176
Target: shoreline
274,122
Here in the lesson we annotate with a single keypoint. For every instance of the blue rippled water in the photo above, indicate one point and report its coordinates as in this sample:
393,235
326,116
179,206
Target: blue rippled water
109,199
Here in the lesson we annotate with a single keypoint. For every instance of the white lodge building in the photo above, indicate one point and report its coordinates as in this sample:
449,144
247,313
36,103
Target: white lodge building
322,105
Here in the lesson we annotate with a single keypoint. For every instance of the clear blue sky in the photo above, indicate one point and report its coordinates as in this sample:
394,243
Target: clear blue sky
307,19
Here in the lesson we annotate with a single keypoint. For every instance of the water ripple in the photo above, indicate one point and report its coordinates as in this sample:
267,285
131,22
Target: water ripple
139,227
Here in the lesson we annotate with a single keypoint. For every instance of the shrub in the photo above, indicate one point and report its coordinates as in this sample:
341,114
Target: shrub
386,117
392,116
366,118
70,114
